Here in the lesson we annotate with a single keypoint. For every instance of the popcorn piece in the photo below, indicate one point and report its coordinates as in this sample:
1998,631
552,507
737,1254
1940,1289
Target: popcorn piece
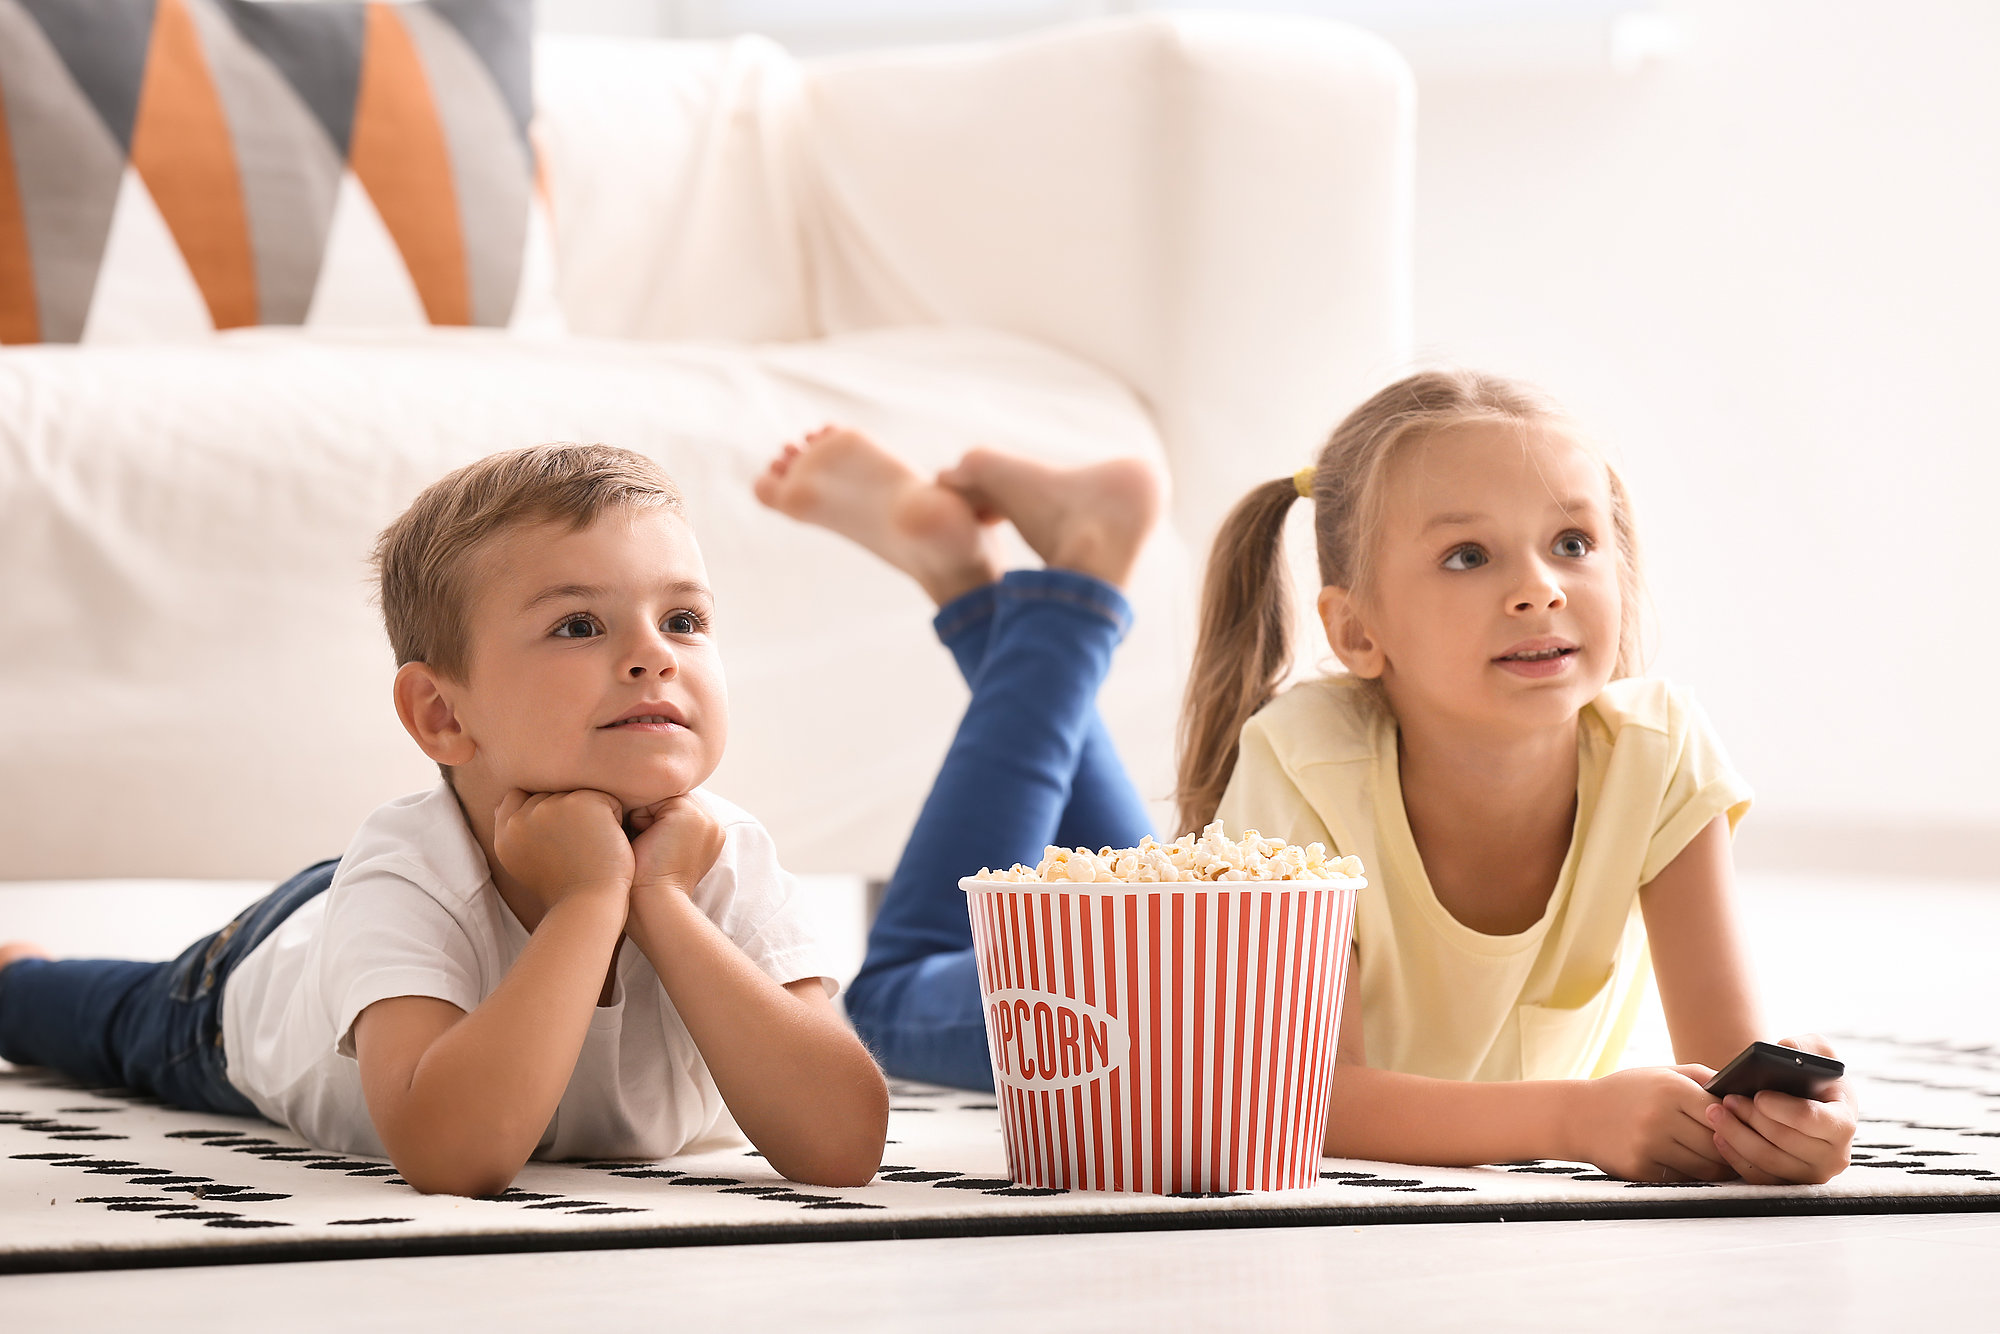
1208,856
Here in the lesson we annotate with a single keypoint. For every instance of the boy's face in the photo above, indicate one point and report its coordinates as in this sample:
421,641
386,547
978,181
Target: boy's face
593,661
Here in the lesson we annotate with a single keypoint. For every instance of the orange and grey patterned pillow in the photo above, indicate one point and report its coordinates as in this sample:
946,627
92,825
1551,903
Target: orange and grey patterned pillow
173,167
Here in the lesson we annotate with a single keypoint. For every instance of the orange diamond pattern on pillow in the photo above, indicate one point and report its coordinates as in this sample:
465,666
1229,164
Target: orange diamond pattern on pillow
173,167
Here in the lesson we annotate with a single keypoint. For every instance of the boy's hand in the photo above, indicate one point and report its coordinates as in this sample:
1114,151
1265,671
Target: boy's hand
1651,1124
1775,1139
674,843
561,844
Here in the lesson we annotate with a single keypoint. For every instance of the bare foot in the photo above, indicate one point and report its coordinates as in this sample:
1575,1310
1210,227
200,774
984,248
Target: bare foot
14,951
843,481
1092,520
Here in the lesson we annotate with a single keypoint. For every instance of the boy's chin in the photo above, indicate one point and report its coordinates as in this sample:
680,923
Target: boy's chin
650,790
644,798
631,789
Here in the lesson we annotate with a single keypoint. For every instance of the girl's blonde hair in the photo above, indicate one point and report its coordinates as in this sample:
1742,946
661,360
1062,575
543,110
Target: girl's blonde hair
1245,645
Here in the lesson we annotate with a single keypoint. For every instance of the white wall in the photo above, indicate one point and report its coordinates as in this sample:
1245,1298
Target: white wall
1768,271
1765,268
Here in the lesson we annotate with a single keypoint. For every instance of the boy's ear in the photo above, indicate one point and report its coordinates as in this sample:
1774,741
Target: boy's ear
429,716
1348,634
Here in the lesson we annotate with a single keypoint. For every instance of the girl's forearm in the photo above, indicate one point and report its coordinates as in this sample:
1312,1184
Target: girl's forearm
1398,1118
799,1083
481,1096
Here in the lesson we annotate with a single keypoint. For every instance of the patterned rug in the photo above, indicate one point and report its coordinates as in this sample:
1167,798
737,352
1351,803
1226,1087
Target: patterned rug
99,1179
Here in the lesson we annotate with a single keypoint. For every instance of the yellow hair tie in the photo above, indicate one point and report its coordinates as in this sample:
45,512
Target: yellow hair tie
1302,480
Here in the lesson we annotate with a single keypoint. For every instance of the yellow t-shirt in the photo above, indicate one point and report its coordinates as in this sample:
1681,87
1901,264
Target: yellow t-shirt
1438,998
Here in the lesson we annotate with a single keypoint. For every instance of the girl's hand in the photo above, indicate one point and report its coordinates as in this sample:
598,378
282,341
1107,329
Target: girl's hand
1650,1124
1776,1139
562,844
674,844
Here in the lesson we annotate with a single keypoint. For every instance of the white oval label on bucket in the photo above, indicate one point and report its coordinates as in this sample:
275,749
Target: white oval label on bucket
1040,1040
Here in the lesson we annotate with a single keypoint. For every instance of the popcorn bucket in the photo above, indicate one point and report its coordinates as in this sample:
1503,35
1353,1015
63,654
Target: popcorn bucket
1162,1038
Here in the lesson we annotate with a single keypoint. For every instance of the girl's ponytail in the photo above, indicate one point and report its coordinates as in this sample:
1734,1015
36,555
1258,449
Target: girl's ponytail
1244,649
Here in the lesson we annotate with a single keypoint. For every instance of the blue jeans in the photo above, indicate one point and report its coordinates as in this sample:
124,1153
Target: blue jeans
154,1027
1030,765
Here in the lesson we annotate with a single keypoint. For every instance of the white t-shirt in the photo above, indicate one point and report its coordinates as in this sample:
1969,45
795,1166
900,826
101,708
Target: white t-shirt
412,911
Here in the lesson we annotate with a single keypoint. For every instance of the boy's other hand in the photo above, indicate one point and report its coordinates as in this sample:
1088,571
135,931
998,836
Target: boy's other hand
1775,1139
674,843
1650,1124
562,844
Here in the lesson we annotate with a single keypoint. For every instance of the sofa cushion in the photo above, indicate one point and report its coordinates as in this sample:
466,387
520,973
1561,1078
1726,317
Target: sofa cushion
194,681
172,167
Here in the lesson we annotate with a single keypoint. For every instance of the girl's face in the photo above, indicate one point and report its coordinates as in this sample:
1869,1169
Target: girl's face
1495,602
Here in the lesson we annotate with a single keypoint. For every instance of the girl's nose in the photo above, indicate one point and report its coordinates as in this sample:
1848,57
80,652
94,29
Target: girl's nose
1539,593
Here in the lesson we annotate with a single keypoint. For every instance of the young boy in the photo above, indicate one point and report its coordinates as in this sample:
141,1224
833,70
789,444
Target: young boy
563,950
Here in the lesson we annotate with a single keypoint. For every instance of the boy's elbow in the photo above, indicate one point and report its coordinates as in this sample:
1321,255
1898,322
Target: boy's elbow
834,1166
455,1174
851,1158
456,1181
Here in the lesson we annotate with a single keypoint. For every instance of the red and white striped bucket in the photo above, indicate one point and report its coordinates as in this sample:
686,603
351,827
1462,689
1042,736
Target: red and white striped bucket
1163,1038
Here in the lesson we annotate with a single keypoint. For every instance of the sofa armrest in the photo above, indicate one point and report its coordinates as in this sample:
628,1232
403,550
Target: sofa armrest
1215,209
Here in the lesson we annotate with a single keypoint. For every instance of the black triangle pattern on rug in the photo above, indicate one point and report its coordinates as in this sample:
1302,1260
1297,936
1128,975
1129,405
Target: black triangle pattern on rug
98,1178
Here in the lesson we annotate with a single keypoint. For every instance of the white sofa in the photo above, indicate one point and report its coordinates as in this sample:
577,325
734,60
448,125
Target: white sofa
1177,236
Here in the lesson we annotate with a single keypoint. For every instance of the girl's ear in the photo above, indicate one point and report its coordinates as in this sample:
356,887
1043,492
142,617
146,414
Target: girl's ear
429,716
1340,613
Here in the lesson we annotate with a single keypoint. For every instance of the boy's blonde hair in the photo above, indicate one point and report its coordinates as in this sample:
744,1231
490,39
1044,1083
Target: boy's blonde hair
1245,645
423,560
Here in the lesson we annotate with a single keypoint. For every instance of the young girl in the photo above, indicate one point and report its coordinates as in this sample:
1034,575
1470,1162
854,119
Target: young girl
1536,819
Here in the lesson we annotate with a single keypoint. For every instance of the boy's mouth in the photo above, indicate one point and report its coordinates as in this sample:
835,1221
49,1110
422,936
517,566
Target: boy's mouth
651,716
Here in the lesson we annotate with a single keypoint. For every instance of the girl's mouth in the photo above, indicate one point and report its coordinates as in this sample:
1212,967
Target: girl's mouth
1538,663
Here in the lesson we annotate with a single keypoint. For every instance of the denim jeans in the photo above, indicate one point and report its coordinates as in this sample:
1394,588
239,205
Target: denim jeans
153,1027
1030,765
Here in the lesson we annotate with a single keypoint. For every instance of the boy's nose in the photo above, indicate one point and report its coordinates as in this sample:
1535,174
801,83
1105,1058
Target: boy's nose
654,656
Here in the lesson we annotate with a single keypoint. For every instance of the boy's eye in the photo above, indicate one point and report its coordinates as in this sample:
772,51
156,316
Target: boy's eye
685,623
1573,545
1465,558
577,627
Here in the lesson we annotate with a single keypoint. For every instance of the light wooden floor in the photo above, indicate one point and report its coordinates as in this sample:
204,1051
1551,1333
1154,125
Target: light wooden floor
1853,954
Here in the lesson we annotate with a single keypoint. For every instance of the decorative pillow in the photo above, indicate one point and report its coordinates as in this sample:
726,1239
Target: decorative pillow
172,167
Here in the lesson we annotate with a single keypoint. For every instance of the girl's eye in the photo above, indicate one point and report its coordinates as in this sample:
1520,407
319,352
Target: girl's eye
1465,558
1573,545
577,627
685,623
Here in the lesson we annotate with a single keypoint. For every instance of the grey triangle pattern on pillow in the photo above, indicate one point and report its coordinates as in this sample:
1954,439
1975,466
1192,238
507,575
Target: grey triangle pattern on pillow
250,119
496,32
67,172
103,43
317,47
